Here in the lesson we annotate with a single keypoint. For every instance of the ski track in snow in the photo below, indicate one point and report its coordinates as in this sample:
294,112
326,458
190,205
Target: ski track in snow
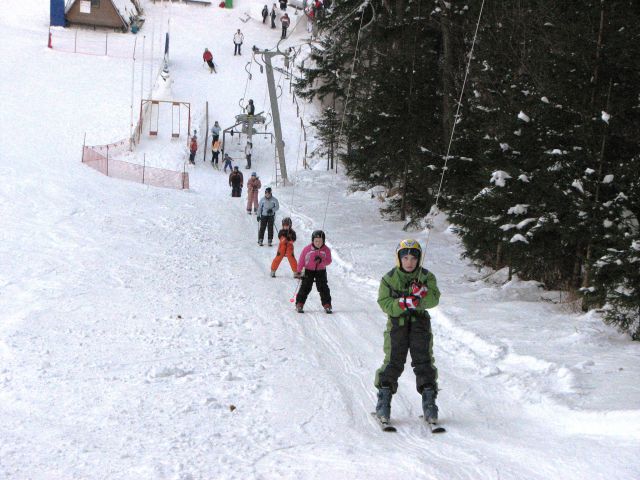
141,337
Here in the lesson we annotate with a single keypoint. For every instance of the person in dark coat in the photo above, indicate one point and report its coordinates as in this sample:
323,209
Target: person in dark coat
273,15
265,14
236,181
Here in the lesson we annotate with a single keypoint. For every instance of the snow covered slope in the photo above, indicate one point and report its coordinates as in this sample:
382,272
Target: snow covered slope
142,338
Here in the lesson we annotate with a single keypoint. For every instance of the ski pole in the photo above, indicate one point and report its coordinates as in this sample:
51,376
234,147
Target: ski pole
293,297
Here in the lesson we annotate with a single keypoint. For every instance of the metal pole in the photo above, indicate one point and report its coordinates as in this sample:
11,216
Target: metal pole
144,39
84,143
153,38
275,113
144,165
133,75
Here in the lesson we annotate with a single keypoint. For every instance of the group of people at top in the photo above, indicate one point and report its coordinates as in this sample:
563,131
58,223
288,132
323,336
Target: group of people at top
285,21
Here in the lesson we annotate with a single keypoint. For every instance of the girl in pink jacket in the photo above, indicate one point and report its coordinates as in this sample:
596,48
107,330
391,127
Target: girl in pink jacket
312,265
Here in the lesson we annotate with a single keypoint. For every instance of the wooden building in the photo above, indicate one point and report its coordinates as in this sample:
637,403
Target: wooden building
102,13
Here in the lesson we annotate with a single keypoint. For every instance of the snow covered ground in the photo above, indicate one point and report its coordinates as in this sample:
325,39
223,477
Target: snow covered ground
142,338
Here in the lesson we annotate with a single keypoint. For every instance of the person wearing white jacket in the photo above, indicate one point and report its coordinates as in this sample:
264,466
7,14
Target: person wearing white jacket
248,149
238,38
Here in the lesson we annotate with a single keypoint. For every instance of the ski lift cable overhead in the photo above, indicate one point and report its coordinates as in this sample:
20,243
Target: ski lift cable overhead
455,121
249,77
346,101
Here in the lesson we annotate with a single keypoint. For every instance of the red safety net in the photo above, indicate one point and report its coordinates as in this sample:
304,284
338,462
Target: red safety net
99,158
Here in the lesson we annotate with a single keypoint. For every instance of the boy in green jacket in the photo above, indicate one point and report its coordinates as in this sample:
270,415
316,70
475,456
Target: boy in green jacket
405,294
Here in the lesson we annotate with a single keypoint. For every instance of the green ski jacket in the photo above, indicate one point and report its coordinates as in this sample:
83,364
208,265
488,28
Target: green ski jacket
397,284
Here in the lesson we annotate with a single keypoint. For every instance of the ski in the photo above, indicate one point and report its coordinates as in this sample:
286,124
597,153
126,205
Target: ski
434,427
385,425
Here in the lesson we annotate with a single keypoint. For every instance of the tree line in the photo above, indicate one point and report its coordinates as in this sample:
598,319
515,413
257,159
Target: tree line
542,172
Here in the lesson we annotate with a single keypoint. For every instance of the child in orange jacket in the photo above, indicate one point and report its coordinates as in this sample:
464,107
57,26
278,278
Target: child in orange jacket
287,236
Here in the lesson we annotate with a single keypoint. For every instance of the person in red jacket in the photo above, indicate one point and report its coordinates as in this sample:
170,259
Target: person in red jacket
287,236
193,148
207,56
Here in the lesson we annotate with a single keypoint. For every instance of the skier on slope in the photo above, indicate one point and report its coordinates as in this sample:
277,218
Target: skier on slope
236,181
267,209
207,56
405,294
312,266
253,187
215,131
227,163
265,14
238,40
193,148
287,237
285,21
215,153
248,150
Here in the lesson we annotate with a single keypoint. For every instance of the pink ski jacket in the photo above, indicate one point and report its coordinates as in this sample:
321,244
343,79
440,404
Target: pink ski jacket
309,255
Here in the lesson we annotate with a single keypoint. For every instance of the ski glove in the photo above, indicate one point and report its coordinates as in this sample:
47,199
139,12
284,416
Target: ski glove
419,290
408,303
258,218
269,212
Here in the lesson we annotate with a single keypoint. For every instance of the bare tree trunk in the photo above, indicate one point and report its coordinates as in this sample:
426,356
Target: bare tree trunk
448,88
586,278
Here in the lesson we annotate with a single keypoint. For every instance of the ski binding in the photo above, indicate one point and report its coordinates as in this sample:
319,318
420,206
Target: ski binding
384,423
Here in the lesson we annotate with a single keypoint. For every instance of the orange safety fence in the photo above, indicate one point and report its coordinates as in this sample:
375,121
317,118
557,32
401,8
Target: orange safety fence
99,158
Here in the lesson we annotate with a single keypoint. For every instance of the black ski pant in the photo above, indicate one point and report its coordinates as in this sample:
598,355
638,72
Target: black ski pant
236,50
320,277
266,222
402,335
236,191
284,31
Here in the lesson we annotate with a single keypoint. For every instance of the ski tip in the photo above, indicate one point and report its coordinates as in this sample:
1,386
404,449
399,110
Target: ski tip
385,426
434,427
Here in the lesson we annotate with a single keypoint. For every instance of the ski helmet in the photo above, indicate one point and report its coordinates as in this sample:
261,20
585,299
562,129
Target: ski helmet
318,234
286,221
408,247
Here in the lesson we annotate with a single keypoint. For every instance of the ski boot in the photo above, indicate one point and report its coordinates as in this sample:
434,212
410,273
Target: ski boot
327,308
429,407
273,274
270,243
259,243
300,307
383,407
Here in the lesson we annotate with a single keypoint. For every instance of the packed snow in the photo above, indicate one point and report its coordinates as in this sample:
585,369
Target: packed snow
141,336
